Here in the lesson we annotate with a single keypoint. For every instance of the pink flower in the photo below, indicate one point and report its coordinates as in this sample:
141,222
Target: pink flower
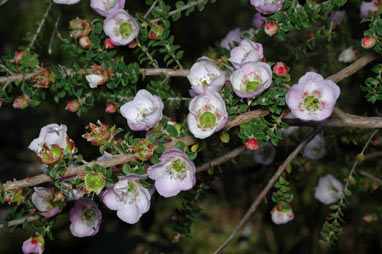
51,134
129,198
85,218
280,68
313,98
315,149
372,6
66,1
173,174
251,79
233,35
248,51
144,112
120,27
267,6
42,199
34,245
258,20
282,213
207,115
106,7
329,190
205,76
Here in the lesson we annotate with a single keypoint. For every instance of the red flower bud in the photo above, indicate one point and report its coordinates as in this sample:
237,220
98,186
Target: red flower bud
21,102
368,42
85,42
132,44
18,57
73,106
108,44
252,144
111,108
271,28
280,68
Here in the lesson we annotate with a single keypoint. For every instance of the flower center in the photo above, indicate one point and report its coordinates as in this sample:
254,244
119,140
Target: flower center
251,82
130,194
311,103
207,79
207,120
252,86
178,168
144,112
125,29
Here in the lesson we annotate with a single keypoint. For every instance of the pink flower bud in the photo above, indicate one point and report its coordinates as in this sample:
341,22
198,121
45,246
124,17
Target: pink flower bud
111,108
108,44
18,57
280,68
132,44
251,144
368,42
21,102
85,42
370,217
282,213
73,106
271,28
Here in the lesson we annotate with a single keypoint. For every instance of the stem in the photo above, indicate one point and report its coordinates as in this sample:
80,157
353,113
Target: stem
40,26
187,6
151,8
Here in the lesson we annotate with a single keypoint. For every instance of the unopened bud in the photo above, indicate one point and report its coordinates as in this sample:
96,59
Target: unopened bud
224,137
111,107
252,144
85,42
21,102
73,106
280,69
271,28
368,42
108,44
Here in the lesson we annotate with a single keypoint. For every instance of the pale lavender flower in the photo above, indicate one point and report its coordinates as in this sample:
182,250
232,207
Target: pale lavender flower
348,55
282,213
251,79
42,199
106,7
329,190
258,20
338,17
129,198
33,245
248,51
315,149
233,35
313,98
85,218
267,6
205,76
265,155
369,6
144,112
207,115
174,173
51,134
121,27
66,1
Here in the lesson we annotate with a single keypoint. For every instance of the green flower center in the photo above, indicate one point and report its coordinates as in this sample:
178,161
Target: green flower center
132,187
94,182
125,29
312,103
207,120
179,166
252,86
89,214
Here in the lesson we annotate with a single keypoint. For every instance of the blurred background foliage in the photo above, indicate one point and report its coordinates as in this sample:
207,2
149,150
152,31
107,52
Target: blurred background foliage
235,184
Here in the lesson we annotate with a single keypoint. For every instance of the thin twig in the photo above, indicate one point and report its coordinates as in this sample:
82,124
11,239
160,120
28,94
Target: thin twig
220,160
373,155
267,188
54,33
370,176
40,26
151,8
183,8
6,69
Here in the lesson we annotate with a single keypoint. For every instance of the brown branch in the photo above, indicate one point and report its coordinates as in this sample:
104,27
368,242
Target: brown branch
373,155
69,71
220,160
353,68
370,176
187,6
21,221
245,117
40,26
266,189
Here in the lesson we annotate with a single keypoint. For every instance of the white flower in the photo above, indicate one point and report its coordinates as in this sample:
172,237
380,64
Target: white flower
247,51
94,80
348,55
329,190
51,134
120,27
207,115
